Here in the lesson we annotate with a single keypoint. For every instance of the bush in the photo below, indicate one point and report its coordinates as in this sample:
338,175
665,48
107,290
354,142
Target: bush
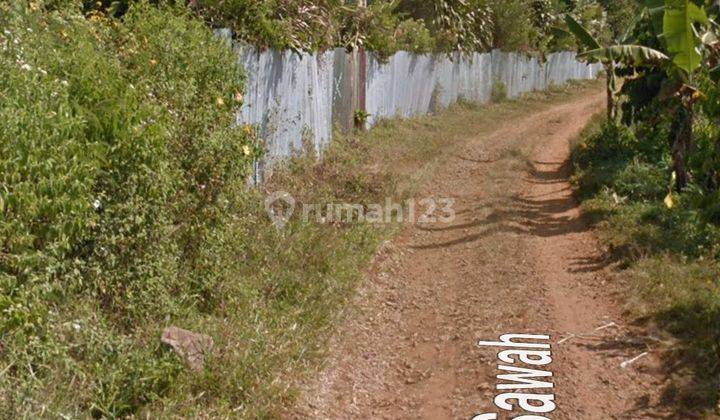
119,165
412,35
512,25
612,156
639,181
301,25
381,30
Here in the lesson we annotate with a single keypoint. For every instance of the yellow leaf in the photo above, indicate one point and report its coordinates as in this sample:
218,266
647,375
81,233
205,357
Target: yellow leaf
246,150
669,202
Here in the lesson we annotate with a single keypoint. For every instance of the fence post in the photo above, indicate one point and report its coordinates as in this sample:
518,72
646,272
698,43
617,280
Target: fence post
362,73
362,80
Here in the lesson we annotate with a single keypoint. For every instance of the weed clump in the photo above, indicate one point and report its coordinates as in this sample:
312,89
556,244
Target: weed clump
499,92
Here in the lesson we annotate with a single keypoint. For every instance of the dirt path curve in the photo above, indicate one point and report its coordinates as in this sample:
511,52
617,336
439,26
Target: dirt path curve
518,259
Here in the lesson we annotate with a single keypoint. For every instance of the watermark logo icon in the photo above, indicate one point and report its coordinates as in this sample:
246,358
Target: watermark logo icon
280,207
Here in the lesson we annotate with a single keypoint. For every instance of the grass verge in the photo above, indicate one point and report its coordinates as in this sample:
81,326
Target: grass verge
666,258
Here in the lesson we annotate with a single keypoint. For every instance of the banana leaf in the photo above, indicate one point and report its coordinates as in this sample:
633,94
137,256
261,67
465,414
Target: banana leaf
629,54
680,35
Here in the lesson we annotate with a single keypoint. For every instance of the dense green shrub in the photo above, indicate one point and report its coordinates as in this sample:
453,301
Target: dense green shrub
412,35
605,143
302,25
118,165
626,178
641,181
381,29
512,25
387,26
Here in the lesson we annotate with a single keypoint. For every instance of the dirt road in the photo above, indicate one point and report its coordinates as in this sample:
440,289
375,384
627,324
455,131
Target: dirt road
518,259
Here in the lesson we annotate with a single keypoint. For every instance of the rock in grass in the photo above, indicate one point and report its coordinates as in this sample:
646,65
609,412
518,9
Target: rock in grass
189,345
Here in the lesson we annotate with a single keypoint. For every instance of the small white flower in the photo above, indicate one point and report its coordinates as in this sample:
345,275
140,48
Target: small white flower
76,326
97,204
26,66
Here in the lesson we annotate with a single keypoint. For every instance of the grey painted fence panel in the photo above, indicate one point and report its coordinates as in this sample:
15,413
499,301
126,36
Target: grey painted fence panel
295,97
289,96
411,85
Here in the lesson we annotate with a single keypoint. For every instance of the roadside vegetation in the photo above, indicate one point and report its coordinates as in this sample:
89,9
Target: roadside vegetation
649,176
125,209
387,26
119,170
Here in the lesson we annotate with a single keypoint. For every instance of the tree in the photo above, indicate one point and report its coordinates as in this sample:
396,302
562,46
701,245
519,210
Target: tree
677,24
610,57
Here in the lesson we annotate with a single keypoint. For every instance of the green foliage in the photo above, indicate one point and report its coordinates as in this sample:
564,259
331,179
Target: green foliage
412,35
587,40
388,26
636,55
670,254
360,118
380,29
679,33
118,163
462,25
621,14
611,156
625,178
301,25
512,25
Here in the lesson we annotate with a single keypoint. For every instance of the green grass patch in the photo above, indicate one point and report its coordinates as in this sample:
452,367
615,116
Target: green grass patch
667,257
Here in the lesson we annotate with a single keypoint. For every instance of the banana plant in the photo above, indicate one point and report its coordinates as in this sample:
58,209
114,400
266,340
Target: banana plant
677,24
683,42
610,57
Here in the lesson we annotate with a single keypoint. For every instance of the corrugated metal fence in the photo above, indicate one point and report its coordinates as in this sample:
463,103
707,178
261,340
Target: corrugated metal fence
297,98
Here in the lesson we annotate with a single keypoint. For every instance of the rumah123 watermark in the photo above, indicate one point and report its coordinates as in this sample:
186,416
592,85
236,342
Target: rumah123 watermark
281,206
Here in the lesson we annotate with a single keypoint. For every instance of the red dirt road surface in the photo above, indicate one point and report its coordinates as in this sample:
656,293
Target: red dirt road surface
519,258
